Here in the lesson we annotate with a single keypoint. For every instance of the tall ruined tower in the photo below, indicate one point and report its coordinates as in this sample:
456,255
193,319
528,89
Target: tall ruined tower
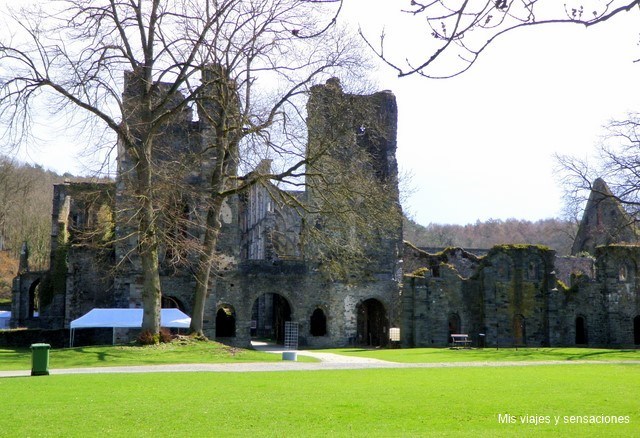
604,221
184,155
353,172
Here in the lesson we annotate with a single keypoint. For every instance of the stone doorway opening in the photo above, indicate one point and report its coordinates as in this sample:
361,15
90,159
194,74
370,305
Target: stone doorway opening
636,330
268,315
373,325
225,322
581,331
455,326
34,299
318,323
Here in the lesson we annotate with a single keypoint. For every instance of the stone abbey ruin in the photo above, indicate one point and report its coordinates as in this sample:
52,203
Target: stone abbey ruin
509,295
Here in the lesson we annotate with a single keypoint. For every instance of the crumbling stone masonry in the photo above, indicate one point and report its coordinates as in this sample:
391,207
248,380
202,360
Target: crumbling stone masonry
267,274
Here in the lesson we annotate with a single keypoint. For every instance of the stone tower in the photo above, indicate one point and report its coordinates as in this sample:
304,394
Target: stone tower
604,221
352,143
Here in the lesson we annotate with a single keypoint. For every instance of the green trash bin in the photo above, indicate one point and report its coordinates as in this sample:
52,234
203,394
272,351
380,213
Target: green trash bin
40,359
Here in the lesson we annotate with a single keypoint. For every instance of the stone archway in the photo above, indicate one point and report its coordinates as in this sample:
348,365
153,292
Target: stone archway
636,330
268,316
33,309
372,323
171,302
225,322
318,323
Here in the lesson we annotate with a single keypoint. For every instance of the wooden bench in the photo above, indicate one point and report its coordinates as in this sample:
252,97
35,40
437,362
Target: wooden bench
460,340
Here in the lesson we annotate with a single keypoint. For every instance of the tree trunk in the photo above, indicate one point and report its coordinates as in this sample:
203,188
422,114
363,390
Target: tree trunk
203,272
148,247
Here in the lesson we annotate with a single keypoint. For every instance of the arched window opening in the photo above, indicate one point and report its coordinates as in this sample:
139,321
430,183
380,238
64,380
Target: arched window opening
503,268
225,322
623,273
534,269
318,323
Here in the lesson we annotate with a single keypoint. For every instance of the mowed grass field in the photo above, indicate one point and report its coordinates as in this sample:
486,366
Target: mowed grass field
184,351
482,402
433,355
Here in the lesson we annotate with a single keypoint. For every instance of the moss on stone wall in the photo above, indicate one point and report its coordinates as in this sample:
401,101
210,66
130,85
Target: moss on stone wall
518,246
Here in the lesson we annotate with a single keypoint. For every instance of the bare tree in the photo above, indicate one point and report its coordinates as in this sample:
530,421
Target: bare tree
616,161
461,30
243,65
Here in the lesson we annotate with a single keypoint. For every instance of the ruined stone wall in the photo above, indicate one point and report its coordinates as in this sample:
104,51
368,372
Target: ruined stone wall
617,273
569,268
416,259
305,290
506,299
513,298
429,302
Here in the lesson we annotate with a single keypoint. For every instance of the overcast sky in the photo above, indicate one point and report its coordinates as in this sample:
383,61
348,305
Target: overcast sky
481,145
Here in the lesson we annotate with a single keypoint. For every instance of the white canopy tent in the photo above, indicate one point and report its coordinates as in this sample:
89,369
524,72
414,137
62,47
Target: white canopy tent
126,318
5,317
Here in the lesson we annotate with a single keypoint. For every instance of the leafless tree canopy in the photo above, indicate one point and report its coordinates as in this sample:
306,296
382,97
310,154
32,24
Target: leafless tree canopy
616,160
76,57
460,30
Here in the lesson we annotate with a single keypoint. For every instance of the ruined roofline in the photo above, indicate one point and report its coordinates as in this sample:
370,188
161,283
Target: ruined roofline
335,85
421,253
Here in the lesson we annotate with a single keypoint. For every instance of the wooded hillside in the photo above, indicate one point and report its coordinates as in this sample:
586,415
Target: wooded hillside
555,233
26,193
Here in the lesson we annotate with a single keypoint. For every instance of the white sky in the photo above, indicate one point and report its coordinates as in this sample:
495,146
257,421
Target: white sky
481,145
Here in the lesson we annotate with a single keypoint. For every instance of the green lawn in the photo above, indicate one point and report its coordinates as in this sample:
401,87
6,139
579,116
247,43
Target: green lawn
433,355
176,352
372,403
187,351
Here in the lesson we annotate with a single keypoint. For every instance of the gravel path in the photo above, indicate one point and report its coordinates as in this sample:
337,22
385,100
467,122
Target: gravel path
296,366
329,361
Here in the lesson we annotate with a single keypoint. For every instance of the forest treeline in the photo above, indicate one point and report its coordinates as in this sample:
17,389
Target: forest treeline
26,192
26,195
557,234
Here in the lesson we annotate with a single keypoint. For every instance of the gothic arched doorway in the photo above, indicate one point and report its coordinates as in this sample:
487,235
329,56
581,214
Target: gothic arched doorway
372,322
268,315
